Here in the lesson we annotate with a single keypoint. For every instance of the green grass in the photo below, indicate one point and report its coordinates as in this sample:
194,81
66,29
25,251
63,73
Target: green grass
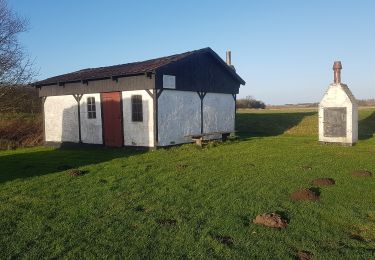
174,203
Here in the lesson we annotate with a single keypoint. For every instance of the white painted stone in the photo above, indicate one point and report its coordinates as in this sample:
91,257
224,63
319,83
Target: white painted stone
91,128
138,133
218,113
61,119
339,95
179,114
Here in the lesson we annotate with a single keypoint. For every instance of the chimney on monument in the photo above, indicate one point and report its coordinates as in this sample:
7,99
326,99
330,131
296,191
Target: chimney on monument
337,72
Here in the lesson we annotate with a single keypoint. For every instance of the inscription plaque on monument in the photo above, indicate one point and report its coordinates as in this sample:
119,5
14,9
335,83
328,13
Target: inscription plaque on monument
335,122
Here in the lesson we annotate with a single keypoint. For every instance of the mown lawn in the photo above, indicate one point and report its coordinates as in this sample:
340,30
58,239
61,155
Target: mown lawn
181,202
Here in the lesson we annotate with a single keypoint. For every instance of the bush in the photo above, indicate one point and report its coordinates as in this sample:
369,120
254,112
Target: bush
250,102
19,99
20,130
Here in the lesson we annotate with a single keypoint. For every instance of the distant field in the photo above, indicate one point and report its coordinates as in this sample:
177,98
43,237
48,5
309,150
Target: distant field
192,203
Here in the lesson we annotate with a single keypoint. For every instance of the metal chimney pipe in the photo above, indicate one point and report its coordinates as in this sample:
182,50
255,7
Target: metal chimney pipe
229,58
337,72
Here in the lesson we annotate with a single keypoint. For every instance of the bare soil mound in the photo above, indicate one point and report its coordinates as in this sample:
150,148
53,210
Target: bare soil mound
271,220
226,240
304,255
361,173
306,167
167,222
305,194
76,172
323,182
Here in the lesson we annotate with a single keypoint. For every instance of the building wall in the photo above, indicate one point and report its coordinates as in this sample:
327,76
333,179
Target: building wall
218,113
138,133
91,129
61,119
339,95
179,114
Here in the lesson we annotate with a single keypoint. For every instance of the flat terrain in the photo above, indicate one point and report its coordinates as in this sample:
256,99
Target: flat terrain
187,202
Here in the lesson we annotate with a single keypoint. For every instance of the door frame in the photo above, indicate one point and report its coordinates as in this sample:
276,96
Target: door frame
121,113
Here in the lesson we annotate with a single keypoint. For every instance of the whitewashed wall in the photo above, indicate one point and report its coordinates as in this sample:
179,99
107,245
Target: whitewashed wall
138,133
218,113
179,114
91,129
61,119
339,95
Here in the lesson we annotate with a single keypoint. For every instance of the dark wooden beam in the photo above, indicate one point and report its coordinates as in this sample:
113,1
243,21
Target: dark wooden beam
158,92
78,99
150,93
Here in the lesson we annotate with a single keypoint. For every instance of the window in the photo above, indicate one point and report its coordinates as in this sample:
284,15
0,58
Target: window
137,112
91,109
169,81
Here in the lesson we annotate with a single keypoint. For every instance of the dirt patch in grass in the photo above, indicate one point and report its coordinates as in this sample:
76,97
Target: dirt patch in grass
181,166
273,220
305,194
304,255
306,167
76,172
139,208
357,237
167,222
320,182
362,173
103,181
225,240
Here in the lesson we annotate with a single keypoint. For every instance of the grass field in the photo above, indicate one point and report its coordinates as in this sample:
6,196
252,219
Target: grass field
186,202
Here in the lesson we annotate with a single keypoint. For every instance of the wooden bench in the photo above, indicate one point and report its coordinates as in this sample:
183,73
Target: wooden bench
199,139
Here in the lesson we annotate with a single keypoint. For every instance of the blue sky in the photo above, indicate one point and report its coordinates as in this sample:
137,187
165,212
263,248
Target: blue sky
284,50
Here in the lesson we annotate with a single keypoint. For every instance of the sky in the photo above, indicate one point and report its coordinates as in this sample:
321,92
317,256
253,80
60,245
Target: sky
284,50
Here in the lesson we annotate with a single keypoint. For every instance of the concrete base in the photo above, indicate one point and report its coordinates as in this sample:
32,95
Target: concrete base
337,143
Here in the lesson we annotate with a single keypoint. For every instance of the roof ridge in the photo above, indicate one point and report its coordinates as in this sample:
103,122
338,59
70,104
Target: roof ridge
127,69
148,60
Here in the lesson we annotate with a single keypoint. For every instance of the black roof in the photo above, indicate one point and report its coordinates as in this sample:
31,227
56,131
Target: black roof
129,69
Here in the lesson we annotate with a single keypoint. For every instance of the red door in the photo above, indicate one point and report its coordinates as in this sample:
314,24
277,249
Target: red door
112,119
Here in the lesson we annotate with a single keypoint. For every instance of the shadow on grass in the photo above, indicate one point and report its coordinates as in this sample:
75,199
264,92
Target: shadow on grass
267,124
27,164
366,127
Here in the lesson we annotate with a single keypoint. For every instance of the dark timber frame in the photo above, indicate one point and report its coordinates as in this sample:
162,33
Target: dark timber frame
201,96
155,115
122,121
44,120
155,96
235,107
78,97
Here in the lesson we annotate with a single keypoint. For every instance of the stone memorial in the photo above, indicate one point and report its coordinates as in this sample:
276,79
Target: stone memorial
338,112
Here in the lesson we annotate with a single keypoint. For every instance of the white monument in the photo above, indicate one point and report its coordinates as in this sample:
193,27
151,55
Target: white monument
338,112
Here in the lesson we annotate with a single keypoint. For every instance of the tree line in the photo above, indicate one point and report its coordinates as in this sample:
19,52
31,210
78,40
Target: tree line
250,102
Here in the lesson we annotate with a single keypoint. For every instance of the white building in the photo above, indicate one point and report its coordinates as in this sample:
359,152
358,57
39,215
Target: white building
338,113
153,103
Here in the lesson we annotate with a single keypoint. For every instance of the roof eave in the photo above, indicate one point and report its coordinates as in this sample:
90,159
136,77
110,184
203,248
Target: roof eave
114,77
